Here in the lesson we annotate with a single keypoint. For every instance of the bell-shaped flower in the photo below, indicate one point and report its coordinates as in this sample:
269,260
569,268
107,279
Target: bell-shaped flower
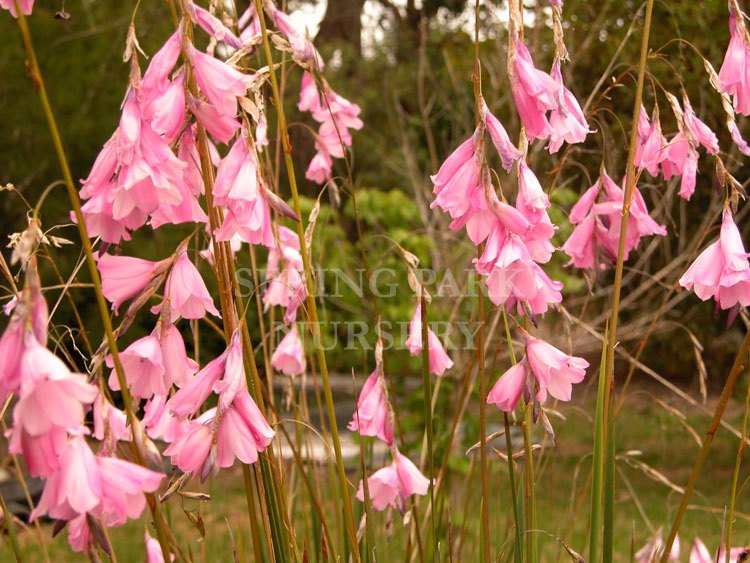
124,277
123,487
394,484
190,451
567,123
651,148
285,275
186,292
289,356
221,127
110,423
178,368
159,422
534,91
681,159
242,433
154,553
722,270
219,82
699,131
439,359
303,51
41,453
372,416
212,25
733,75
189,399
25,5
505,147
143,366
507,390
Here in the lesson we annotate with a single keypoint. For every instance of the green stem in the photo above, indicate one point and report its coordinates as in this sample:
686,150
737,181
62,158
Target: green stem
532,552
713,426
427,390
483,427
608,544
736,474
311,303
597,470
8,517
36,76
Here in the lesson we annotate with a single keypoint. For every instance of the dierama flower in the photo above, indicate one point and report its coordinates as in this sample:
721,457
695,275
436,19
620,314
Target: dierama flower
394,484
567,123
505,147
285,275
722,270
289,356
153,550
178,368
698,130
700,553
372,416
650,150
219,82
25,5
186,292
124,277
110,423
654,549
143,366
439,359
543,370
733,75
212,25
242,432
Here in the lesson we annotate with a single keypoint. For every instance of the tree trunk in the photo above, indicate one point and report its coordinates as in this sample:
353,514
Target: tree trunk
342,25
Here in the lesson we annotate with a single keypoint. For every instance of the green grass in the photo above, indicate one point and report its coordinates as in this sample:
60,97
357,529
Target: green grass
563,499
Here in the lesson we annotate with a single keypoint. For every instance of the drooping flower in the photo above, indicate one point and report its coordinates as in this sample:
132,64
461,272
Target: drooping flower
289,356
372,416
700,553
110,423
303,51
186,292
123,486
439,359
219,82
190,451
505,147
543,370
394,484
212,25
722,270
242,432
153,550
567,123
698,130
143,367
285,275
650,150
178,368
159,422
733,75
25,5
124,277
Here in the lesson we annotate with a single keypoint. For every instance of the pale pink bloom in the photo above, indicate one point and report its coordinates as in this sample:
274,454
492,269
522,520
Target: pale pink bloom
110,423
372,416
190,451
233,380
681,159
239,188
159,422
289,356
156,77
338,113
309,97
457,185
25,5
532,202
261,132
97,213
186,291
51,396
212,25
153,550
507,390
700,553
124,277
40,453
554,370
567,122
722,270
143,365
178,368
699,131
285,275
221,127
505,147
651,148
79,535
654,549
734,75
219,82
302,48
534,91
242,433
392,485
439,359
189,399
581,244
76,488
166,112
11,350
249,24
123,486
320,168
734,131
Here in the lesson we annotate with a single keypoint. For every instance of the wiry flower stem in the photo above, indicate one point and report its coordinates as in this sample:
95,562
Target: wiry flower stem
312,306
427,391
36,76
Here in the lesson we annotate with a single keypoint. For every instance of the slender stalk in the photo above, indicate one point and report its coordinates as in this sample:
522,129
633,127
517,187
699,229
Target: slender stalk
427,390
311,303
713,426
483,428
608,543
532,550
36,76
617,288
257,549
597,471
736,474
8,518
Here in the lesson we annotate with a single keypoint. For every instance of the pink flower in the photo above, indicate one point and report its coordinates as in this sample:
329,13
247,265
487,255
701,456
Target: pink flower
11,349
699,131
189,399
439,359
289,356
219,82
143,365
221,127
178,368
159,422
651,148
76,488
700,553
303,50
543,370
156,77
153,550
309,97
110,423
733,75
124,277
654,548
722,270
567,123
285,275
186,291
123,486
242,433
681,159
25,5
581,244
505,147
212,25
40,453
372,416
233,381
392,485
190,451
534,91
